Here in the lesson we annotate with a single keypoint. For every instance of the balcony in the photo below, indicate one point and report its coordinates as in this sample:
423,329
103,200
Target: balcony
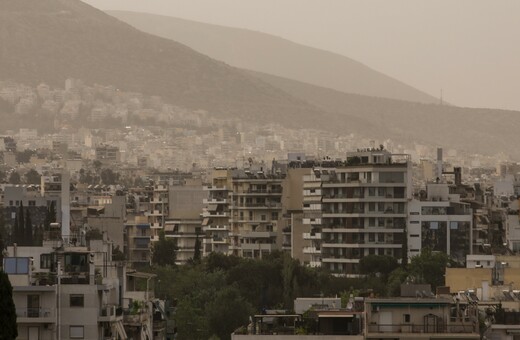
216,228
154,213
466,329
35,315
110,313
312,221
258,246
214,188
312,236
215,201
215,214
259,234
311,250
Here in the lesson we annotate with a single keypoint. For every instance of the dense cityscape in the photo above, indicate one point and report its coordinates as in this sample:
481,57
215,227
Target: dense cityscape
167,179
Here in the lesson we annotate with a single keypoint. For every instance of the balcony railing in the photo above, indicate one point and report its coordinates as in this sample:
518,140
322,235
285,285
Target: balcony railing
33,312
422,328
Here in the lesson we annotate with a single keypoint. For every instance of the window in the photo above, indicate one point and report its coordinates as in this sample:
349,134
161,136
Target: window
16,265
371,191
274,216
76,332
371,237
11,203
372,222
32,203
77,300
371,206
45,261
406,318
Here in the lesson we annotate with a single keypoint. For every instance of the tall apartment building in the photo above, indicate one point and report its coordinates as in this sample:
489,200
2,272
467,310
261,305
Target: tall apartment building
357,208
158,210
255,208
293,233
215,222
184,224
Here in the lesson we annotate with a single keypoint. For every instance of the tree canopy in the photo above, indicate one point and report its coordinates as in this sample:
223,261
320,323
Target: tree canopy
164,251
8,328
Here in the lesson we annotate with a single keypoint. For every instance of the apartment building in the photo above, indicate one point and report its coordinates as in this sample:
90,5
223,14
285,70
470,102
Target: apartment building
255,209
421,318
215,223
138,236
184,224
440,221
357,208
65,292
158,209
293,233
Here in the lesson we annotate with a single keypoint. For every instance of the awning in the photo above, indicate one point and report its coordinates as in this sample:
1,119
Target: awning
205,221
212,207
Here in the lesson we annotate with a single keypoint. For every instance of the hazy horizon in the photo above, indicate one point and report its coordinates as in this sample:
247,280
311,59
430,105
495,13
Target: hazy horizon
466,48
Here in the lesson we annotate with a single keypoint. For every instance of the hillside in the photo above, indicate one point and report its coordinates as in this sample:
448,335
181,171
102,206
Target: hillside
476,130
52,40
273,55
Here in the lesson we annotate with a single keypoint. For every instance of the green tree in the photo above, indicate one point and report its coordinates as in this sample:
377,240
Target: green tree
50,216
8,328
24,156
28,230
397,277
19,226
164,251
14,178
196,253
228,311
32,177
377,265
429,267
109,177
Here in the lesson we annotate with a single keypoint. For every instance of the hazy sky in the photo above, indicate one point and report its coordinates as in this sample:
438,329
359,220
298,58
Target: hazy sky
468,48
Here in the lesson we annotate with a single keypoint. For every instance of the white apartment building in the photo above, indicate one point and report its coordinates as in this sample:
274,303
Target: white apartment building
357,208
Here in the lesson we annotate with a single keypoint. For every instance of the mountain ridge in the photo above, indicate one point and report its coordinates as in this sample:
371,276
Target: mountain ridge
271,54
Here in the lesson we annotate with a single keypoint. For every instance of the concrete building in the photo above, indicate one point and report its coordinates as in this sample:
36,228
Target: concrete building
293,233
363,209
420,318
138,242
184,224
66,293
256,209
440,221
158,210
215,223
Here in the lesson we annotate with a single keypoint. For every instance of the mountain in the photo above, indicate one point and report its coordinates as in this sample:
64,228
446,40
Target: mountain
52,40
475,130
273,55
